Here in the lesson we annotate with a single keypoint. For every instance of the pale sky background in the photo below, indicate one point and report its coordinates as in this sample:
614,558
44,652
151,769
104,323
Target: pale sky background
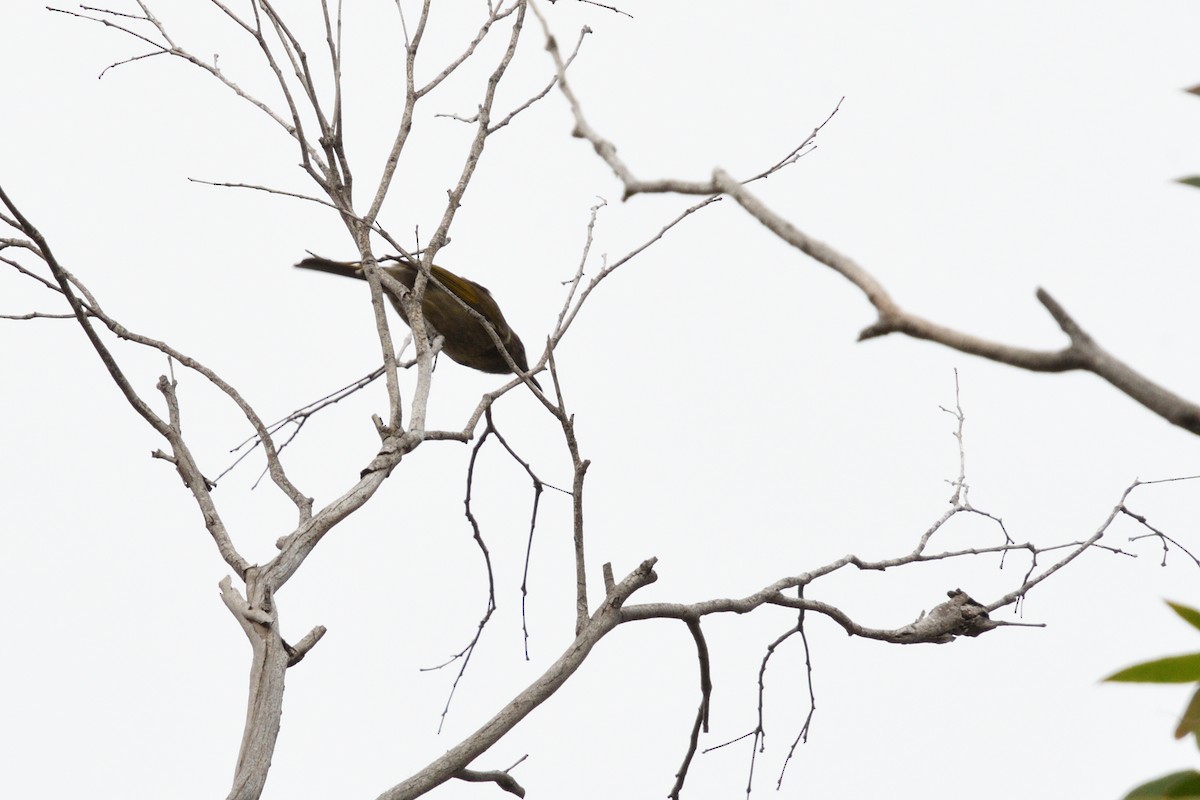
736,429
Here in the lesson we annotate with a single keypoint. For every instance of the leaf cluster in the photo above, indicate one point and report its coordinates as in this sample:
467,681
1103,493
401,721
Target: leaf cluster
1171,669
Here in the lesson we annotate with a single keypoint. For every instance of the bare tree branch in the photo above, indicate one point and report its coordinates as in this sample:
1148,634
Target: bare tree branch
298,651
36,315
502,779
293,129
182,458
1161,536
701,722
466,653
461,755
265,703
1082,353
802,734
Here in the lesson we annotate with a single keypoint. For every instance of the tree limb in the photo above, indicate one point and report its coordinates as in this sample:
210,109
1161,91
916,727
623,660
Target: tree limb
461,755
1081,354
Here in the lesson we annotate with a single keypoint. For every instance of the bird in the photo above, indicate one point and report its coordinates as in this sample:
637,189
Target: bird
465,339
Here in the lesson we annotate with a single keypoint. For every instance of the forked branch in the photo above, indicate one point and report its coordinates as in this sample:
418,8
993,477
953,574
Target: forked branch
1081,353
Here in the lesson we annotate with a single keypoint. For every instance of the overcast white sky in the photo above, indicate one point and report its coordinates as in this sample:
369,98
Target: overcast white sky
736,429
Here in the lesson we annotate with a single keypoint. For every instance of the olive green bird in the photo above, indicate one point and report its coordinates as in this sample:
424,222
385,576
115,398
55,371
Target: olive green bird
465,339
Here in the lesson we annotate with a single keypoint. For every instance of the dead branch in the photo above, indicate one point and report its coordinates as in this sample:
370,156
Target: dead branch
1082,352
477,534
802,734
502,779
606,618
701,722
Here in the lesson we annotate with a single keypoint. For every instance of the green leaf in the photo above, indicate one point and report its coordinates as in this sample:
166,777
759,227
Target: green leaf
1184,784
1194,180
1190,722
1173,669
1190,615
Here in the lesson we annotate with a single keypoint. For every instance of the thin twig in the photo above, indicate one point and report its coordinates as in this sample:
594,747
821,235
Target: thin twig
466,653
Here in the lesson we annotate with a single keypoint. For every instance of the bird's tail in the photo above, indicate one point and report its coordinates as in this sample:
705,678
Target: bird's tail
351,269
